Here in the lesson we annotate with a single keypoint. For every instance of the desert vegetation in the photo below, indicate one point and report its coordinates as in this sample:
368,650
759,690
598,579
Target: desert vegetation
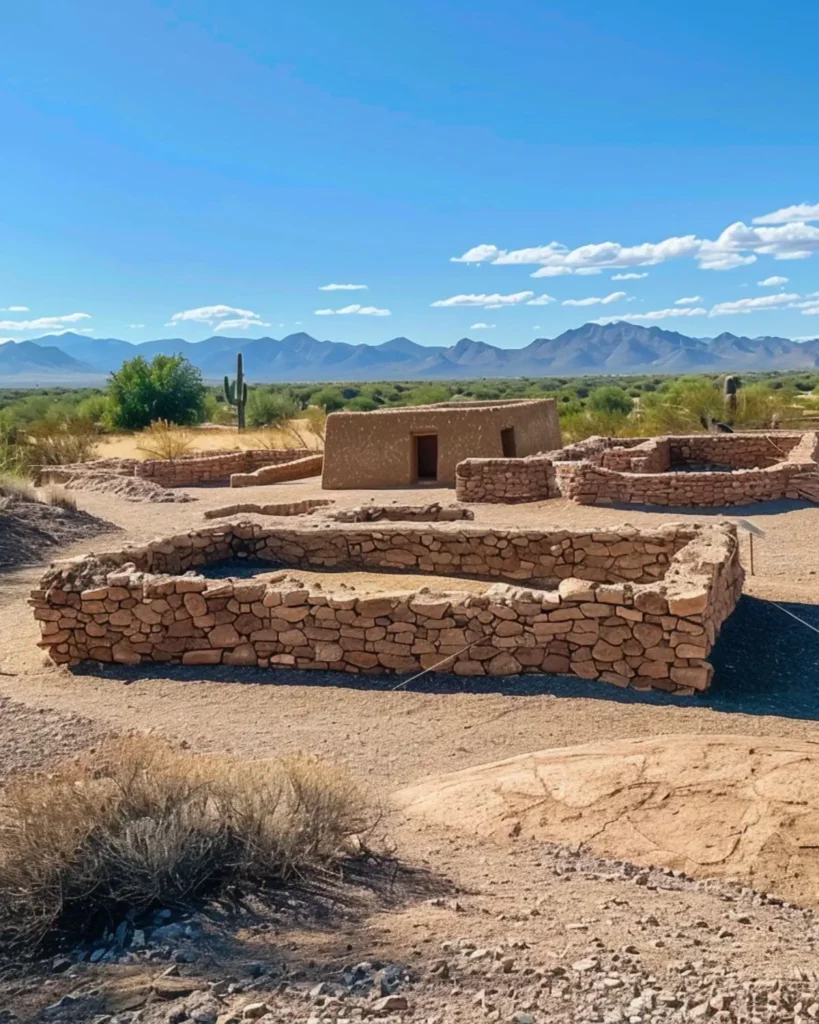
162,402
136,823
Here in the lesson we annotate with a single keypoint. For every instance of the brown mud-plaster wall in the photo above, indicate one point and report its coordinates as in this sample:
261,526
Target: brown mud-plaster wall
634,608
654,471
377,449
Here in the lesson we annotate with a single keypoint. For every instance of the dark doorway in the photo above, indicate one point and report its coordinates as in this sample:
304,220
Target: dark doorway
508,443
426,456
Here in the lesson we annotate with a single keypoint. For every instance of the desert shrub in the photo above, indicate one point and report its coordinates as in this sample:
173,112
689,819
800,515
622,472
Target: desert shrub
168,388
330,399
58,444
19,488
54,494
576,426
162,440
137,823
274,438
610,400
216,411
269,409
361,404
316,420
95,409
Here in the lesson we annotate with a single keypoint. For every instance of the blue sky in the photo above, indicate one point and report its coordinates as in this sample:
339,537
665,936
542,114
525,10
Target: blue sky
198,163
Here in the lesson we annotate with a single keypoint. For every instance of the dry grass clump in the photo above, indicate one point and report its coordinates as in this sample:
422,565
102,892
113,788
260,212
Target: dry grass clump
164,440
19,488
60,444
137,823
55,494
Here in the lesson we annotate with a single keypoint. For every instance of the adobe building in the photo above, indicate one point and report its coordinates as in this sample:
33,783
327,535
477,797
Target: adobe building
424,444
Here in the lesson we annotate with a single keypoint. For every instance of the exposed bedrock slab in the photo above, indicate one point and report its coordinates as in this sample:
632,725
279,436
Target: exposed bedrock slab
709,805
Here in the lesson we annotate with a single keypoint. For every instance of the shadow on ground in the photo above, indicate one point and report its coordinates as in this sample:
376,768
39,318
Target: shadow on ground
766,663
757,508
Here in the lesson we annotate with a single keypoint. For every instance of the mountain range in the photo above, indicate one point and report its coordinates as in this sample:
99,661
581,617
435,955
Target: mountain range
617,348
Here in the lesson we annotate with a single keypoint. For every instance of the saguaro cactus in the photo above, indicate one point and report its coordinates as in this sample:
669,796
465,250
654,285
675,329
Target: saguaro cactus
729,394
236,392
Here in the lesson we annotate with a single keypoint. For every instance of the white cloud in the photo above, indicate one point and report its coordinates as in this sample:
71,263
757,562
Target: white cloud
354,308
477,254
657,314
136,327
209,314
542,300
342,288
241,323
483,327
688,300
629,277
791,214
594,300
14,309
793,241
43,323
493,301
760,302
552,272
772,282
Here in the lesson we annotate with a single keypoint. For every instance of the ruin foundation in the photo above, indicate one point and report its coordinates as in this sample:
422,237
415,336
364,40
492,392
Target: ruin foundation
634,608
705,470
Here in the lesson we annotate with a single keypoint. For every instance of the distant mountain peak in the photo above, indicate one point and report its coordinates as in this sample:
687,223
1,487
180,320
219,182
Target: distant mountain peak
615,348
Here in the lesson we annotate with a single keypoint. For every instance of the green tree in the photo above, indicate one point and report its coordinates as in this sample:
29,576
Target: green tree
610,399
168,388
270,408
330,399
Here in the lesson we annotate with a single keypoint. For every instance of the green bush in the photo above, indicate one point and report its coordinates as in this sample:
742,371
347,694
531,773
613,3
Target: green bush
330,399
269,408
610,400
362,404
168,388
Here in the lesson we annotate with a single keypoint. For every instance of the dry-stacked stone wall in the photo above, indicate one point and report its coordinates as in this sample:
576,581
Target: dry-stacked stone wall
638,608
305,507
285,469
434,513
205,469
707,470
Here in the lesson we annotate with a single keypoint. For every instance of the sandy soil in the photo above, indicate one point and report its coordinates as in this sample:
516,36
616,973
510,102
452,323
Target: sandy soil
765,685
209,438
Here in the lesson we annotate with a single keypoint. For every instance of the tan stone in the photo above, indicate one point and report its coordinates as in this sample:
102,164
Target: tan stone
196,604
223,636
203,657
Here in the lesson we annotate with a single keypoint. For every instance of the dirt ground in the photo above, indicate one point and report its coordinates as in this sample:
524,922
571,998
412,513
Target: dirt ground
542,907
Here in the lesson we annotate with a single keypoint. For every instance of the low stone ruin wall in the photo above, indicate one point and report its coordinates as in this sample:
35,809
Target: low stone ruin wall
654,471
210,468
285,469
282,508
630,607
435,513
203,467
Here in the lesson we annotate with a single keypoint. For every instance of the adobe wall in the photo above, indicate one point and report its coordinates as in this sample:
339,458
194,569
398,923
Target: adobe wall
646,614
642,471
375,449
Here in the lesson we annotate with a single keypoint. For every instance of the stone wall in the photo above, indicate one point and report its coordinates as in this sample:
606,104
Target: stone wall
654,471
189,471
434,513
377,449
630,607
305,507
287,469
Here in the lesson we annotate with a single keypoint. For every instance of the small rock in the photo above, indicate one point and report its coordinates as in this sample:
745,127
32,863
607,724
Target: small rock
60,964
253,1010
390,1003
588,964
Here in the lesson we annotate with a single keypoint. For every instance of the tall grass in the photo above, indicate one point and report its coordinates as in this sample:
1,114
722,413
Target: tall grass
138,823
164,440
